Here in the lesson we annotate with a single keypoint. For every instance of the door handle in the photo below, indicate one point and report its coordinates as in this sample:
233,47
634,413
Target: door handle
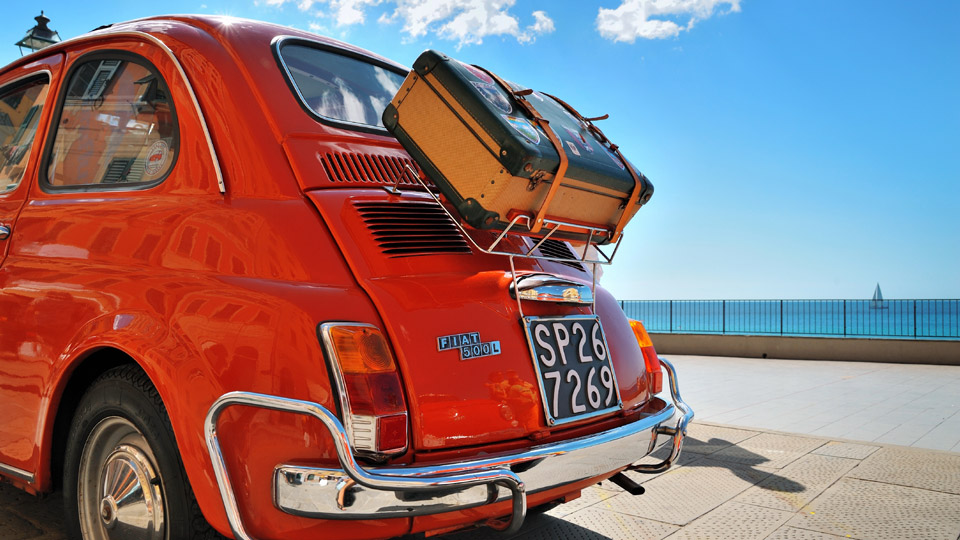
4,232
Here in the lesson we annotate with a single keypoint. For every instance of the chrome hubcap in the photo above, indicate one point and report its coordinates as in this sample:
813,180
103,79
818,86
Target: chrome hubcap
119,495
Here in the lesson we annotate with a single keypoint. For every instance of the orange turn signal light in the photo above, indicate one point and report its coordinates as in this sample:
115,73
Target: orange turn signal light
650,358
361,350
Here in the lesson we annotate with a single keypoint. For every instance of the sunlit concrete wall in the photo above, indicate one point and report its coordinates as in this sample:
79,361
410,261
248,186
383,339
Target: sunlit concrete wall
903,351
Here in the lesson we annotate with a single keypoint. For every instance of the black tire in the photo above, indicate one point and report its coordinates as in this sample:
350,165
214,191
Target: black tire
121,431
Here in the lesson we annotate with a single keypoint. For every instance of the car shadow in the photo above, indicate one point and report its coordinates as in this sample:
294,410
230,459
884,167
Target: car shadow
738,460
537,526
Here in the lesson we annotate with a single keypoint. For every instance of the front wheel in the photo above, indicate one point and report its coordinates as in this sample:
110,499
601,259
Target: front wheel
123,478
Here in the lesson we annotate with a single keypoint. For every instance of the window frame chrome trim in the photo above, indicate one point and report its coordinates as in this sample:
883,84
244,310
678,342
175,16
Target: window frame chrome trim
108,33
70,71
13,82
193,98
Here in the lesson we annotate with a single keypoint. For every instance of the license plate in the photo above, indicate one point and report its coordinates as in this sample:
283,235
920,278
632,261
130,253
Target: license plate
573,367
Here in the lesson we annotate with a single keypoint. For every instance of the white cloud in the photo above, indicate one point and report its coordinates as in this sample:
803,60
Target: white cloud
543,24
656,19
463,21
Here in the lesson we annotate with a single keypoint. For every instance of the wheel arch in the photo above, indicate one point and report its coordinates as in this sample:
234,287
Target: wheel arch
72,385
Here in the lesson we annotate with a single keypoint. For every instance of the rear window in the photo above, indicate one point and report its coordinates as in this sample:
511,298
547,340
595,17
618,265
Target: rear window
338,87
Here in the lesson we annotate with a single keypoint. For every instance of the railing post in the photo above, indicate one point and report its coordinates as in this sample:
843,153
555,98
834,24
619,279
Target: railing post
914,319
844,318
724,314
781,317
671,316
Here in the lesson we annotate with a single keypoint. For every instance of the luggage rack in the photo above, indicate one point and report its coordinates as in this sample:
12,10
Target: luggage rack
514,225
550,225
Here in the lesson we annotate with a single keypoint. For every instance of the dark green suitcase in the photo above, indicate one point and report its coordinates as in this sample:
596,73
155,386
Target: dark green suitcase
474,136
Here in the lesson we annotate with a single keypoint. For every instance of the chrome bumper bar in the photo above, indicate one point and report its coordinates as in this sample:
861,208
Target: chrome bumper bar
353,492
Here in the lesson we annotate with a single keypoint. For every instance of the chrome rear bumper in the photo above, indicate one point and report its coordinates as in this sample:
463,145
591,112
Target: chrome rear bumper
353,492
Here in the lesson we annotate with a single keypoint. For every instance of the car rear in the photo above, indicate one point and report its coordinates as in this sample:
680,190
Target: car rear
487,383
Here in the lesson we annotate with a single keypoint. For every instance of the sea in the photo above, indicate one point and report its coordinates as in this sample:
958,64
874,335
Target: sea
919,319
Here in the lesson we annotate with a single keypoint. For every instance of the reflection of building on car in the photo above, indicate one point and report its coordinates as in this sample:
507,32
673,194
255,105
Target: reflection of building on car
114,113
230,303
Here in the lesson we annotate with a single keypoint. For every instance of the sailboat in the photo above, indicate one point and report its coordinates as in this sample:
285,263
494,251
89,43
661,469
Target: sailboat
877,301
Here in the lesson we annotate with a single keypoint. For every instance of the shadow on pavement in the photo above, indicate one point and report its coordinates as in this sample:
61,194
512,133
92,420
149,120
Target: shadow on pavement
538,526
737,460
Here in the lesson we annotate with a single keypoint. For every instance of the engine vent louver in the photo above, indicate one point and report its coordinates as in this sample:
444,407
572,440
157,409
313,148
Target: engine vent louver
560,250
355,167
407,229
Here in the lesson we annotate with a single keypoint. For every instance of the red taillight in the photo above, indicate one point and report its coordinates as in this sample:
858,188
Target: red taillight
650,359
372,400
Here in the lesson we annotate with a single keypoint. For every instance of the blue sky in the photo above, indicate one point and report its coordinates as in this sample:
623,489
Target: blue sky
803,149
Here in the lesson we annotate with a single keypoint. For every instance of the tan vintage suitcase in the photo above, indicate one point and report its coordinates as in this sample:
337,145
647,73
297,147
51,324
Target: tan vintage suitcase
495,150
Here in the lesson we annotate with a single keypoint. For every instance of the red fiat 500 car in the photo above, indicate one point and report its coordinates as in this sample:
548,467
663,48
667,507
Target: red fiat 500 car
227,305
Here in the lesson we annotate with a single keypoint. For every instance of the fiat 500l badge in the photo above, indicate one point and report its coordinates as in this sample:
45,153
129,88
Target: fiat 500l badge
469,344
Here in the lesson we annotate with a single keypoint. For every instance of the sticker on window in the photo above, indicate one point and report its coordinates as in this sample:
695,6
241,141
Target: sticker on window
573,148
156,157
494,95
478,73
523,127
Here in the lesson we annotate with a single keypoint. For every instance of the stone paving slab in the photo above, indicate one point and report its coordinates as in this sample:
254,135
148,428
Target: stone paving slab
793,533
731,482
798,483
872,510
734,520
937,471
846,450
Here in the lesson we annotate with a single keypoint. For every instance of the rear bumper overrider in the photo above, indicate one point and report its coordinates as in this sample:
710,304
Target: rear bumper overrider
355,492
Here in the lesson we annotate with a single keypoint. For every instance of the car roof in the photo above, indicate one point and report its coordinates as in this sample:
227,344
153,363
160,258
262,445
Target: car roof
234,32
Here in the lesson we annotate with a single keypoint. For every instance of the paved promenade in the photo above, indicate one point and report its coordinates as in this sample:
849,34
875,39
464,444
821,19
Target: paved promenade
910,405
750,481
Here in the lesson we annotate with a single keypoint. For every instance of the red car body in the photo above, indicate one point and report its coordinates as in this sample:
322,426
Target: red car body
214,280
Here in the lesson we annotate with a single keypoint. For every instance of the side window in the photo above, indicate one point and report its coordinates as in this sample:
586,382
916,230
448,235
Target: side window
20,109
117,126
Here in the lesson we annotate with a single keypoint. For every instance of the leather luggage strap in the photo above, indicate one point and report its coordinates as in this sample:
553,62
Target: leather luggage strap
519,97
637,183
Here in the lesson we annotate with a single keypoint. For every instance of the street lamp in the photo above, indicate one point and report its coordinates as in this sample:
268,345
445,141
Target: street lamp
39,36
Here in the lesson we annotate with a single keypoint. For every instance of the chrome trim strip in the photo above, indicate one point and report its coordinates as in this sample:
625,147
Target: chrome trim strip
193,97
19,474
47,72
358,474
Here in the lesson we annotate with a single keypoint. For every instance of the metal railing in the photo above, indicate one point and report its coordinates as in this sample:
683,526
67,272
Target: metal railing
914,319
